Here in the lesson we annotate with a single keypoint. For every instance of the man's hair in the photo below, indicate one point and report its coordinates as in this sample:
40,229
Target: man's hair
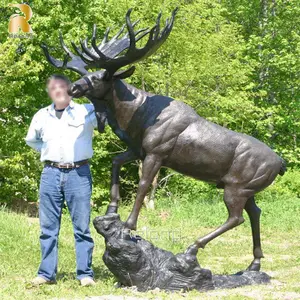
59,77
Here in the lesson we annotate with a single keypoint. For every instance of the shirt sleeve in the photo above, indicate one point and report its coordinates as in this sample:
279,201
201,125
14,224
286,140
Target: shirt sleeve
33,138
93,118
92,114
97,119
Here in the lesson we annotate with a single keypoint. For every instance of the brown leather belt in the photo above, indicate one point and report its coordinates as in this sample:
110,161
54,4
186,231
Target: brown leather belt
76,164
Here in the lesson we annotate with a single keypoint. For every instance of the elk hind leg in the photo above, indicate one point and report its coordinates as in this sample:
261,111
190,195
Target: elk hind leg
235,204
254,212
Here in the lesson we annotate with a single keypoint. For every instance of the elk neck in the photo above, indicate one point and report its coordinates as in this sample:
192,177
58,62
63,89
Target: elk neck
123,100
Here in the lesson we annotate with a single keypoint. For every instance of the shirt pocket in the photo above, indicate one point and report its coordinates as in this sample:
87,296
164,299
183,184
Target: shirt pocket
76,127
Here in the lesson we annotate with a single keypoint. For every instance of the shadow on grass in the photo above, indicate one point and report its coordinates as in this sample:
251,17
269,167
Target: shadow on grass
101,273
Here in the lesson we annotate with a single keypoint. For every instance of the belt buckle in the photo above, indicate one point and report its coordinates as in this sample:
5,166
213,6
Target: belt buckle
62,166
70,165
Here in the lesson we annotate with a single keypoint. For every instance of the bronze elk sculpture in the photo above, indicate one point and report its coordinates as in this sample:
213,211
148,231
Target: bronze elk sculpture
163,132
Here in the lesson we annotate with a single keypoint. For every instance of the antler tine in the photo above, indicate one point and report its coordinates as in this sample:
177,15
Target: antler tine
130,32
108,48
77,63
114,47
173,17
86,50
169,25
167,22
151,34
166,28
94,45
155,37
165,32
157,26
53,61
136,22
62,43
116,36
85,59
119,33
150,40
65,62
133,24
105,39
144,30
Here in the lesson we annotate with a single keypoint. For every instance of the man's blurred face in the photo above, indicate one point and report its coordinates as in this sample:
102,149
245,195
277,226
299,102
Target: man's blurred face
57,91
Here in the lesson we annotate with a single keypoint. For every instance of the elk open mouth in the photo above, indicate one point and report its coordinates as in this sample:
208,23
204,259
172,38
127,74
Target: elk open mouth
76,91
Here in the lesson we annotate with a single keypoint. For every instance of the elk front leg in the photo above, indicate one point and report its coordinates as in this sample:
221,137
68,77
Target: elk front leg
151,166
117,163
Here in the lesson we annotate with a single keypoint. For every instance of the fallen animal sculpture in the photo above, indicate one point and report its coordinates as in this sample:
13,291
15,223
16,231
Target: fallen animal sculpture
136,262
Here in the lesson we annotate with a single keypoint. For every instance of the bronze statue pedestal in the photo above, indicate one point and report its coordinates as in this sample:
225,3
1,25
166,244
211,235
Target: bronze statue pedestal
136,262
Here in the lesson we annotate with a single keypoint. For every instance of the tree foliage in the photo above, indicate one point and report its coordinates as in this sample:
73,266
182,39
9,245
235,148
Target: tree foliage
235,62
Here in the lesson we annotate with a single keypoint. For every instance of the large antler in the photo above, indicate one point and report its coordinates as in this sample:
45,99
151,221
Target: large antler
81,63
76,64
106,54
113,63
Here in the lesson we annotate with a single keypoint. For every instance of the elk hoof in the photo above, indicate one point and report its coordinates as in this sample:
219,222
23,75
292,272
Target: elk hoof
111,209
192,250
130,225
254,266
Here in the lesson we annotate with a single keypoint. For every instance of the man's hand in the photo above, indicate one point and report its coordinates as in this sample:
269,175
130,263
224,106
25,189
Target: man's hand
101,121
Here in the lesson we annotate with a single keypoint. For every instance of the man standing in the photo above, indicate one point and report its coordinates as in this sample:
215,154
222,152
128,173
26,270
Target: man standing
62,133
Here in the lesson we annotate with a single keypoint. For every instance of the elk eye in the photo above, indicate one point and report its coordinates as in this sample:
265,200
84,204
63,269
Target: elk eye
94,78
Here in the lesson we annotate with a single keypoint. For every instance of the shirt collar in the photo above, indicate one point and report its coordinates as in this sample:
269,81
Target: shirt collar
71,104
52,110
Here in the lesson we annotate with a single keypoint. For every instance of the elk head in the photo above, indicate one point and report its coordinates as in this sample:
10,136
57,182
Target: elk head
109,56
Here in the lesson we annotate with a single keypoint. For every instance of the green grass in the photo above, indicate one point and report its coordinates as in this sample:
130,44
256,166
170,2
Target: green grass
20,252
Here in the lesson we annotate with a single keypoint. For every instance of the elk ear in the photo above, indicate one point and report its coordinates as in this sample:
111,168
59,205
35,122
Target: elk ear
124,74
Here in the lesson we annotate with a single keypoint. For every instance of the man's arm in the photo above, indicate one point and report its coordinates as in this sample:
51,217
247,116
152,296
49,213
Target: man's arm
98,119
33,138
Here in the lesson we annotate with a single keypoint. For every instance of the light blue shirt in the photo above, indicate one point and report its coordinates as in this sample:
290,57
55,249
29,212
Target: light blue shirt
64,140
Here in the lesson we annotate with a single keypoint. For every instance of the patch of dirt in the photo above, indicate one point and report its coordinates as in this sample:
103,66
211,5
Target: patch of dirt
31,209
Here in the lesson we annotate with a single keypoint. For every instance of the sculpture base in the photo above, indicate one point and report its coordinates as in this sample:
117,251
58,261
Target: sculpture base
136,262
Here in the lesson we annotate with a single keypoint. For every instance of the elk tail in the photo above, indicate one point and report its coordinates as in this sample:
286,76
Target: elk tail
283,167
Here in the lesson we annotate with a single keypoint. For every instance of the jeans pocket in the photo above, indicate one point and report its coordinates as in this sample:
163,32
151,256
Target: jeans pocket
46,169
47,175
84,170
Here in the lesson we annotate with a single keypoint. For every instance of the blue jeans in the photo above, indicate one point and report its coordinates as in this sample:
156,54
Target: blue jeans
74,186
